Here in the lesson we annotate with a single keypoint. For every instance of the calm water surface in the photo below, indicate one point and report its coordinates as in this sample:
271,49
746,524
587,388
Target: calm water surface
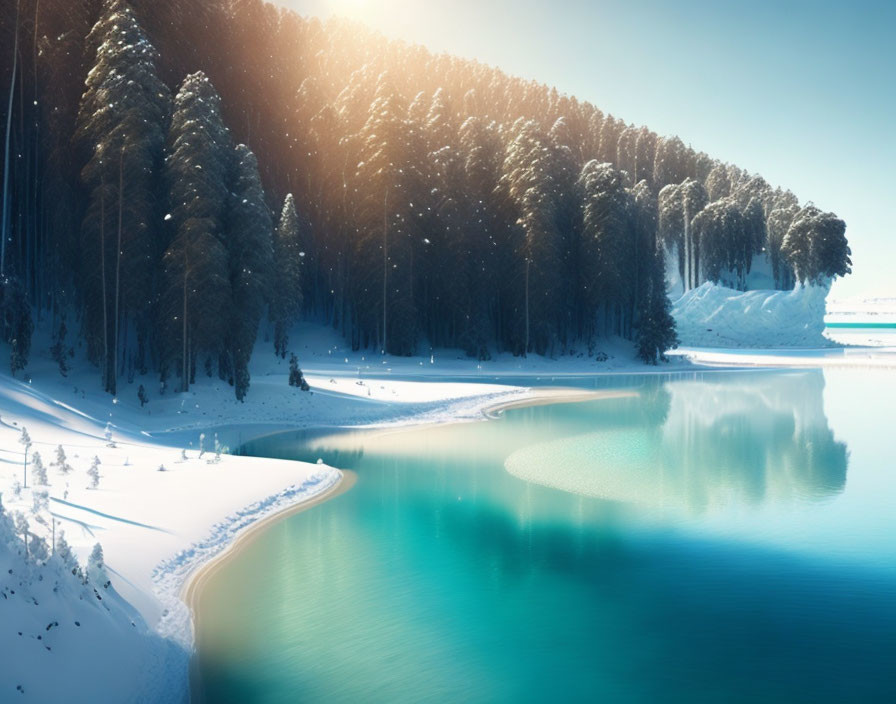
718,537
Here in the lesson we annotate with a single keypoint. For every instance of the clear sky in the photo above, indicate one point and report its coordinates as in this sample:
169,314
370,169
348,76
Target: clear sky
802,92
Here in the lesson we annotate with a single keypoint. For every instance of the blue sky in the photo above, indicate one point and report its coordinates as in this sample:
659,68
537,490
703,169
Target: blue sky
801,92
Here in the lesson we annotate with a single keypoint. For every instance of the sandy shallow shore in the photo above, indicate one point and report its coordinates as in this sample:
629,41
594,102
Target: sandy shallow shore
192,589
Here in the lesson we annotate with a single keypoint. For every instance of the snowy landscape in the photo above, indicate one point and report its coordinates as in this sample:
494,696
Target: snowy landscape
168,497
232,270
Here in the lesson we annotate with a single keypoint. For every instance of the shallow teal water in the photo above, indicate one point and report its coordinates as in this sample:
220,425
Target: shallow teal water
731,538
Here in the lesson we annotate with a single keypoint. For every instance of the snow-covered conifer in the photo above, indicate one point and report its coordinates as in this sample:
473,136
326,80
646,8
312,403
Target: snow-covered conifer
61,462
296,378
120,129
286,297
25,441
96,568
94,473
38,470
64,550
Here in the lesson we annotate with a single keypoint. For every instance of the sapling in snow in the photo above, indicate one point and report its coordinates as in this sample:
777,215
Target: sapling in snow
62,461
25,441
141,396
64,550
38,471
201,445
96,568
94,473
40,501
108,435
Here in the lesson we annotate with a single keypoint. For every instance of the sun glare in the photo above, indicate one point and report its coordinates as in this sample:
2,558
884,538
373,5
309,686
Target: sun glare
352,8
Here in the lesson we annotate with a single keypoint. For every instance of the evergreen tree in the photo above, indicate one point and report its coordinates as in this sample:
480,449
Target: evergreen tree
295,374
386,228
718,183
25,442
606,248
249,233
286,298
120,130
16,323
61,462
38,470
65,553
96,568
777,225
94,473
656,326
196,282
670,162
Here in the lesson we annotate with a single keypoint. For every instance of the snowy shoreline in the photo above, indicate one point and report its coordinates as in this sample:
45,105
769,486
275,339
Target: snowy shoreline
162,530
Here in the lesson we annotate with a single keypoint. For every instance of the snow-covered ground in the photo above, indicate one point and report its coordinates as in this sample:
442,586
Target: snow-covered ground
133,636
715,316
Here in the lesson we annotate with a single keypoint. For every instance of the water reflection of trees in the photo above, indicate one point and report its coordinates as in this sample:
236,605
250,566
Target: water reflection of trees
717,440
765,438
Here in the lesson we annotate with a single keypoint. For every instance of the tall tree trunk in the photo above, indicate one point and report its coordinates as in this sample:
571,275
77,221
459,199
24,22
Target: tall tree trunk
12,91
526,348
385,268
185,379
103,274
118,265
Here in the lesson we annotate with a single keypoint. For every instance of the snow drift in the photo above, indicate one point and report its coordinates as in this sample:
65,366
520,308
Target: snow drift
715,316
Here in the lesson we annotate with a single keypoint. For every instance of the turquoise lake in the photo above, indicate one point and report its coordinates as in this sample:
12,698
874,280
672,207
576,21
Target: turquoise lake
705,537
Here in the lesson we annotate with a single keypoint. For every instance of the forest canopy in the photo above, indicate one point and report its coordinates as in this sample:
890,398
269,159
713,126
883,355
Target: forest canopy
176,172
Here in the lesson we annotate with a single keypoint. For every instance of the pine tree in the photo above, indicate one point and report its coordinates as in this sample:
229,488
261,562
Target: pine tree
286,297
196,288
295,374
25,441
61,462
96,568
605,251
38,470
16,323
248,235
656,326
65,553
386,227
120,130
94,473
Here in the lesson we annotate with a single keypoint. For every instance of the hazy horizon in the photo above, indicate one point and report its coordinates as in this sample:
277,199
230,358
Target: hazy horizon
794,90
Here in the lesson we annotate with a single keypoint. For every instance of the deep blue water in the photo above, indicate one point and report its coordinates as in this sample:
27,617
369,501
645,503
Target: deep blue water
726,537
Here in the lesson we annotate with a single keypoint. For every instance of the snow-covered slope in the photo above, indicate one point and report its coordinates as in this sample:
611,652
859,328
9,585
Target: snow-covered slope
66,639
715,316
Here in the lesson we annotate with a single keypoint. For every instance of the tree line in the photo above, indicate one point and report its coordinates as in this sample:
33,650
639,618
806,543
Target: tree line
170,192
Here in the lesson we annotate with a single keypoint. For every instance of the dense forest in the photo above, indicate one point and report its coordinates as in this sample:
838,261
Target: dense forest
178,172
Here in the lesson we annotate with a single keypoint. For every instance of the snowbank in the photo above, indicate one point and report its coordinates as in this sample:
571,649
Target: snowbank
715,316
